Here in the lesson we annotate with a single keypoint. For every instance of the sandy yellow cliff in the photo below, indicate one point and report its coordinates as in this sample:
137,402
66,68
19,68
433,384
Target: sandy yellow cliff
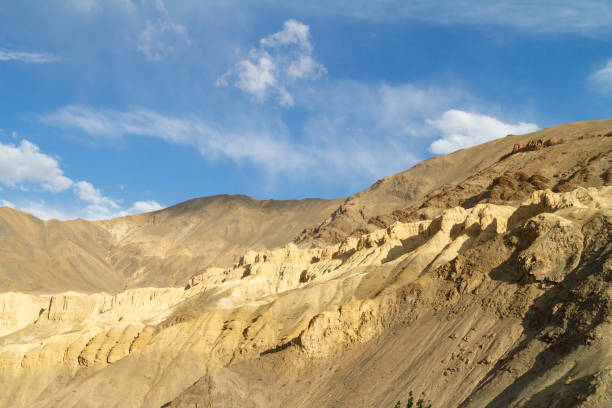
454,306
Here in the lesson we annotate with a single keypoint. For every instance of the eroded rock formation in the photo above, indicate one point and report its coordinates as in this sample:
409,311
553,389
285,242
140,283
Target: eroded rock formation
487,305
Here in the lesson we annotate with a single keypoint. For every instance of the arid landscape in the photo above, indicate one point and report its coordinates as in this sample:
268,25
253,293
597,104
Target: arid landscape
481,278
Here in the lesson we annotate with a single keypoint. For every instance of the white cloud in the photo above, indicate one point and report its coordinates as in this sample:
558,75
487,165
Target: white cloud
339,142
255,76
358,131
29,57
104,212
304,67
160,6
144,206
26,164
349,127
351,132
102,207
260,147
464,129
541,16
603,77
90,212
293,32
160,39
6,203
404,108
276,65
87,192
45,211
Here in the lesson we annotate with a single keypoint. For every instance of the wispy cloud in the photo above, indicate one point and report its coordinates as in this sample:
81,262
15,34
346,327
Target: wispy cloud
143,206
92,6
603,77
334,142
100,206
259,147
542,16
351,131
464,129
6,203
282,59
28,57
590,17
359,131
87,192
43,210
46,211
160,39
348,128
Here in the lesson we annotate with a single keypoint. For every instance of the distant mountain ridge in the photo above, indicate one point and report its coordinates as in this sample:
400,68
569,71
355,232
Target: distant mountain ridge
167,247
162,248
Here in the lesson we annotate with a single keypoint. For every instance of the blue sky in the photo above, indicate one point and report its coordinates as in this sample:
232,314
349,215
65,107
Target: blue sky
113,107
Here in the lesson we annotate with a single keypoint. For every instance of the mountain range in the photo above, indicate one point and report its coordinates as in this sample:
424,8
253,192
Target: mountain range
481,278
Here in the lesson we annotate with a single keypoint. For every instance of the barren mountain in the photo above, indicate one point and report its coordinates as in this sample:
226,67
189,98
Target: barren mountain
506,169
478,279
162,248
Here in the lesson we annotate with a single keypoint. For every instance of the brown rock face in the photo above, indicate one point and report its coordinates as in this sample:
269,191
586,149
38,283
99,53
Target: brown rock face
561,158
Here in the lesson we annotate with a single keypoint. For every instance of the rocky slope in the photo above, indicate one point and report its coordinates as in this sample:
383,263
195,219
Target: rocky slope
503,170
496,305
478,279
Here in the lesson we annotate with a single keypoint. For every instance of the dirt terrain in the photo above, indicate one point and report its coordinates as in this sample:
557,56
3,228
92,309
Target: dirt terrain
478,279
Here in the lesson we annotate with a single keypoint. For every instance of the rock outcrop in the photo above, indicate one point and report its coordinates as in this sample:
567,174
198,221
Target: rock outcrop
505,170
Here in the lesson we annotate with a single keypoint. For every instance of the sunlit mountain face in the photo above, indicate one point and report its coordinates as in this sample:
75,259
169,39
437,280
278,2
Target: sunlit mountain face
328,204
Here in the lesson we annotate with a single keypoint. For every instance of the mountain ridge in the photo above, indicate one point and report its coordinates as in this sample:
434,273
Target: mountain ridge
111,255
359,212
488,286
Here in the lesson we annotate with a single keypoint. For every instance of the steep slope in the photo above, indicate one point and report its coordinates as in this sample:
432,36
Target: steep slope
162,248
503,170
497,305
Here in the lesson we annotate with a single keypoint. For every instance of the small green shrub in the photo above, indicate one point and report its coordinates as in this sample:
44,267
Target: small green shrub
410,403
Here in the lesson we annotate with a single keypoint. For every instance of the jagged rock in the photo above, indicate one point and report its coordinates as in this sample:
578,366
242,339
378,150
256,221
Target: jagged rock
556,245
437,280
